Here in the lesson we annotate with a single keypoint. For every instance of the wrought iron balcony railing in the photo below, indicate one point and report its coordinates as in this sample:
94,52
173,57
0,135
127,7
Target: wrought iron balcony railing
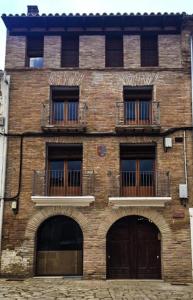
64,115
137,113
60,183
140,184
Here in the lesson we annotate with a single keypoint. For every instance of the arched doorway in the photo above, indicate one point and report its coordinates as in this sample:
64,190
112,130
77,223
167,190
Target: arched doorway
134,249
59,248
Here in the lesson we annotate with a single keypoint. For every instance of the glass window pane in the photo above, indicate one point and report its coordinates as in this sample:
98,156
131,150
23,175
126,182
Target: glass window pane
128,168
58,111
72,111
146,172
74,173
130,110
144,107
57,173
36,62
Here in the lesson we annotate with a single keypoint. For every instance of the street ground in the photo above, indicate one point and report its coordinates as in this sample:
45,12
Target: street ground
59,288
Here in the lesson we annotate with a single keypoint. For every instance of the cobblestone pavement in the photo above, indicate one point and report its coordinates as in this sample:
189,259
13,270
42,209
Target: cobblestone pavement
58,289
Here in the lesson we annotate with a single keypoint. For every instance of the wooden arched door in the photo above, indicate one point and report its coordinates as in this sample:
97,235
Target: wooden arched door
134,249
59,249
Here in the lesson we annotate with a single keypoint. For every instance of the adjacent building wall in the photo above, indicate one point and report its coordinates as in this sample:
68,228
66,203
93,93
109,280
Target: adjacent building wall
4,108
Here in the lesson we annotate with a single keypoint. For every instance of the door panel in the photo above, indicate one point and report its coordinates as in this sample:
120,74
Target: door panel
59,247
59,262
133,249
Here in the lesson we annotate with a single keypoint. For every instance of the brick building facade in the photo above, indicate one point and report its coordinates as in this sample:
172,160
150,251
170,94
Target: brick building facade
99,141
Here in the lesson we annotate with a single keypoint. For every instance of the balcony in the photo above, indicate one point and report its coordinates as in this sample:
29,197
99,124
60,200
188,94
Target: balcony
151,189
59,188
65,117
137,116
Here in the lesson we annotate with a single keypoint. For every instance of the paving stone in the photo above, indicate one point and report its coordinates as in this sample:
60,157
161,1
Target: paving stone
59,289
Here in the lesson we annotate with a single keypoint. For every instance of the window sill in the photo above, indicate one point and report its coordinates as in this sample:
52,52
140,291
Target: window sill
62,200
117,202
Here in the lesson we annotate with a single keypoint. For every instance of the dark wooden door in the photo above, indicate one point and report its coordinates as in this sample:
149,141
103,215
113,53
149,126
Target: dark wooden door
133,249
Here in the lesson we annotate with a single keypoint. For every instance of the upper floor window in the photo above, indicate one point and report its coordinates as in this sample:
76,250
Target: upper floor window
137,105
65,103
35,49
70,52
114,51
149,50
64,170
137,170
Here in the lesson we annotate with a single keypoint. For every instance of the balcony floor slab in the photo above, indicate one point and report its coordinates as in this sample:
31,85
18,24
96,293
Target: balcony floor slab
62,200
117,202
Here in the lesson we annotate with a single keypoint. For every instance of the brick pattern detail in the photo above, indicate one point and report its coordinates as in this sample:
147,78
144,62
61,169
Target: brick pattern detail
92,52
15,52
52,44
132,53
169,51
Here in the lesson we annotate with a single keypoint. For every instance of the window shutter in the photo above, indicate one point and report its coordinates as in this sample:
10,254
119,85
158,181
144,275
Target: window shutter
70,52
35,46
149,51
114,51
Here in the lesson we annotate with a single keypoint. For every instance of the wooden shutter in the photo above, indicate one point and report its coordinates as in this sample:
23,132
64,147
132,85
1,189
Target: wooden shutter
35,46
114,51
149,51
70,52
133,151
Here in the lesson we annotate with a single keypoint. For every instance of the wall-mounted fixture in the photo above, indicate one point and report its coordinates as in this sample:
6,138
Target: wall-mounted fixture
183,193
167,143
2,121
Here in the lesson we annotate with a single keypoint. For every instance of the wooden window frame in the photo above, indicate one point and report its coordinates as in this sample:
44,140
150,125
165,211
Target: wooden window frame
66,99
137,96
65,153
138,153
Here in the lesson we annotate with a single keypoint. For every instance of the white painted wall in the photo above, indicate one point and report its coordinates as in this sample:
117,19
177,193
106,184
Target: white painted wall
4,110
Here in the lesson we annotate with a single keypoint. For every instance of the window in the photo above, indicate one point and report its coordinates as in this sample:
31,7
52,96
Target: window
70,52
149,51
65,103
137,105
35,49
114,51
137,170
64,170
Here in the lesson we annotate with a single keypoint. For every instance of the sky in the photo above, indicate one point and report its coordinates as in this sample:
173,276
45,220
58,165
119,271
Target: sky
88,6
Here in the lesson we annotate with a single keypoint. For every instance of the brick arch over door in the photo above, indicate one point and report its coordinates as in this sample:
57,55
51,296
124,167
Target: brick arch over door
155,217
37,219
151,214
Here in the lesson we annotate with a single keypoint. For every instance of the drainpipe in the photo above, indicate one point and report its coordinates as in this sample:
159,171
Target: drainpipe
3,146
191,209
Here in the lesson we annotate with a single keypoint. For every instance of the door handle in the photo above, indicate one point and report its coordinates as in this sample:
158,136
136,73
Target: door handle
108,256
157,256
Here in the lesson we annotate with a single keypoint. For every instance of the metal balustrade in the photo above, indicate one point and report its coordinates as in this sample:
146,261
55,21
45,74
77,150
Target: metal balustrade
60,183
63,114
140,184
137,113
